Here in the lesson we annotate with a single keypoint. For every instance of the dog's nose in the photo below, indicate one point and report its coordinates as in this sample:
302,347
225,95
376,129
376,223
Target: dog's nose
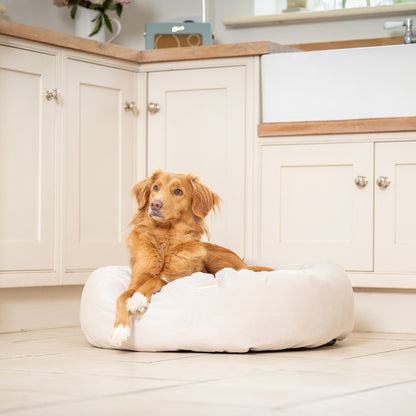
156,204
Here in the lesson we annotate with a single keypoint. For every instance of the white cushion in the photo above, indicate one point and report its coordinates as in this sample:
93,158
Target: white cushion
300,306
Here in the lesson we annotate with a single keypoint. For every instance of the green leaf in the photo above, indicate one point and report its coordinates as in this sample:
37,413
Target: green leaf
108,23
73,11
97,26
119,9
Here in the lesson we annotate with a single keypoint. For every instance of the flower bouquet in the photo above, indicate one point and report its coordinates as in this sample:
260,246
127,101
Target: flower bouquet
101,6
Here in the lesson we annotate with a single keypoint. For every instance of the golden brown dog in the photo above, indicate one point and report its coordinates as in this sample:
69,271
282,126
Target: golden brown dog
165,241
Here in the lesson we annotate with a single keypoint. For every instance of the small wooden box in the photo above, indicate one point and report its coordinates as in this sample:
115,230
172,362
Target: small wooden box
177,35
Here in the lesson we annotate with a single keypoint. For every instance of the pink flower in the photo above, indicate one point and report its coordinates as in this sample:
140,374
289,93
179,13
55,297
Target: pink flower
61,3
123,2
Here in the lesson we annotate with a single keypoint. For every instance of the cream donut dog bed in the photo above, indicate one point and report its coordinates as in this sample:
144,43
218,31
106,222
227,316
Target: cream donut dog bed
303,306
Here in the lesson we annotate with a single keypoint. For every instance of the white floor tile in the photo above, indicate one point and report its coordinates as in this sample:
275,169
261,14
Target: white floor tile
279,389
11,400
56,371
398,399
383,335
76,385
133,405
353,347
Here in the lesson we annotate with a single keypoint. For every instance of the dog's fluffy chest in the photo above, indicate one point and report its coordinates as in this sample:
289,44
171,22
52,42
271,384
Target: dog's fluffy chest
164,245
170,241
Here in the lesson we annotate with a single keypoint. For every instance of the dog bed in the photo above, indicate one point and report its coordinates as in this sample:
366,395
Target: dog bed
235,311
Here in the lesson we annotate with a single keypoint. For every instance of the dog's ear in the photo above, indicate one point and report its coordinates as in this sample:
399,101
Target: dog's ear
142,190
203,199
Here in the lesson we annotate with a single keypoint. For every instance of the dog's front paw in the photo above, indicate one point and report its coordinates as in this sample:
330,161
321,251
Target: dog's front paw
120,334
137,303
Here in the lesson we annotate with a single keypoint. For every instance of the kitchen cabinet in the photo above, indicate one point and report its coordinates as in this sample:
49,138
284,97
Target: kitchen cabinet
68,158
85,138
319,202
395,207
199,121
27,160
311,208
99,164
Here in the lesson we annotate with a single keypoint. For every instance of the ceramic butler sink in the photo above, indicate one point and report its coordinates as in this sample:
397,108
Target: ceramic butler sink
339,84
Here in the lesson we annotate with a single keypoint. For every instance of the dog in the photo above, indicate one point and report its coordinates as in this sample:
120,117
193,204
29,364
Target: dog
165,242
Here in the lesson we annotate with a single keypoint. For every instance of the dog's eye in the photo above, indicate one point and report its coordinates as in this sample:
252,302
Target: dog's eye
178,192
155,188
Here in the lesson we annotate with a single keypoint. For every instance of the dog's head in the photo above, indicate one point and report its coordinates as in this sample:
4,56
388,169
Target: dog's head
170,197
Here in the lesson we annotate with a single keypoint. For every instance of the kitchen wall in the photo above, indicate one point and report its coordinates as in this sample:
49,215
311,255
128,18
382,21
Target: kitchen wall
63,303
296,33
43,14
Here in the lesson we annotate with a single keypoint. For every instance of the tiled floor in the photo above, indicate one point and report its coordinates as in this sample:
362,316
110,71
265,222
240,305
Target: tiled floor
56,372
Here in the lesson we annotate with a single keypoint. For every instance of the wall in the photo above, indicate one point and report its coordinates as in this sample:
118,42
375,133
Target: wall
30,308
297,33
43,14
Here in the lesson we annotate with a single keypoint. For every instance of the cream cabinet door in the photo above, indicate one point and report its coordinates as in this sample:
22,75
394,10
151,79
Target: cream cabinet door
395,207
311,208
200,129
27,153
99,160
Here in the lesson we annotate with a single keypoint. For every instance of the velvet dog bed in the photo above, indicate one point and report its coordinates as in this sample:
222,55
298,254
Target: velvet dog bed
306,305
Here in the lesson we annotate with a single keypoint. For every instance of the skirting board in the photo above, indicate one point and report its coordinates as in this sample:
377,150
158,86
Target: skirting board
24,309
54,307
385,310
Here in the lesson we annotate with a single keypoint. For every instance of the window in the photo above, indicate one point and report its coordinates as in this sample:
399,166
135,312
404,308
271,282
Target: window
266,7
349,4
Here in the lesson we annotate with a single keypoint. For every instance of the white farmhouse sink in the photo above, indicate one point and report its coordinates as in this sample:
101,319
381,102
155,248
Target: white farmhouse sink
340,84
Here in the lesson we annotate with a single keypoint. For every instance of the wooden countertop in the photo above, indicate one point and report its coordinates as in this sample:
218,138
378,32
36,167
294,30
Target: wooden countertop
213,51
21,31
369,125
26,32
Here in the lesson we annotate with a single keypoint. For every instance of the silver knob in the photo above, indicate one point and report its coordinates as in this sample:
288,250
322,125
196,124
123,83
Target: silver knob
153,108
129,106
361,181
52,94
383,181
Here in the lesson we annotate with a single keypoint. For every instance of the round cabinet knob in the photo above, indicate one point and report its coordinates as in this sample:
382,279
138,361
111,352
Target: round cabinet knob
361,181
52,94
129,106
153,108
383,181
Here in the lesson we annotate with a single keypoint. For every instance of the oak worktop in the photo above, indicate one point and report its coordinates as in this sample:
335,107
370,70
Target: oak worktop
19,30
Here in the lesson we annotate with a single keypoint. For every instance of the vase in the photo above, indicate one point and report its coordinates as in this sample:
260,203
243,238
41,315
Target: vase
84,25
